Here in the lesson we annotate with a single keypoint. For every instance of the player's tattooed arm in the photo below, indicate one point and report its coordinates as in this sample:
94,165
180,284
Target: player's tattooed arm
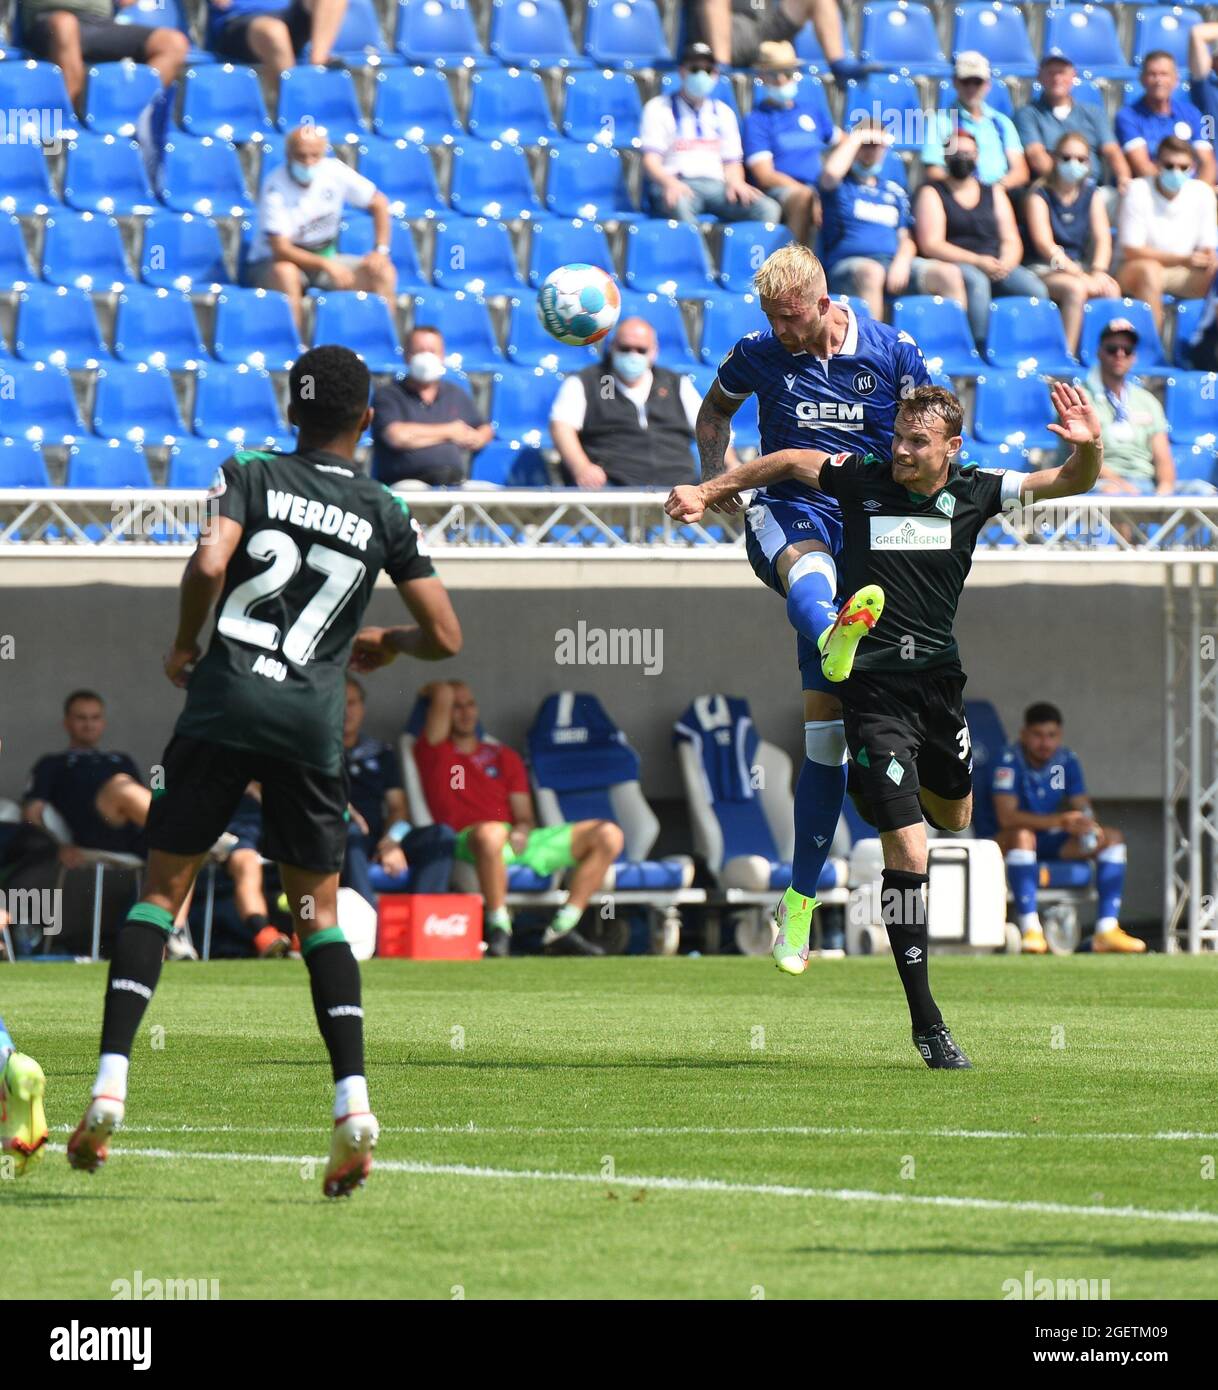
687,504
713,431
1079,425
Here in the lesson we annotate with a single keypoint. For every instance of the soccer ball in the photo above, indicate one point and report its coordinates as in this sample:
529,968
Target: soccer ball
578,304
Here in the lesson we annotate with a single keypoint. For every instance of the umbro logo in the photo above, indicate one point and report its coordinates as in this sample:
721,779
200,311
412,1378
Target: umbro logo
821,840
913,955
871,505
924,1049
790,380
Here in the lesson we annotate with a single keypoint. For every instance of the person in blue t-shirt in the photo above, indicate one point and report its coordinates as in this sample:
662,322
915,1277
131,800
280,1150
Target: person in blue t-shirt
1000,157
1044,813
259,31
865,244
1162,110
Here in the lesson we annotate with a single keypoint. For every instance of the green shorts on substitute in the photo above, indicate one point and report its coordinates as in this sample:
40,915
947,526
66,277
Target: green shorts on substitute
547,850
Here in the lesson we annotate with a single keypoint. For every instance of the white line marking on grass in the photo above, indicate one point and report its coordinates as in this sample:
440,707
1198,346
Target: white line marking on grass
670,1184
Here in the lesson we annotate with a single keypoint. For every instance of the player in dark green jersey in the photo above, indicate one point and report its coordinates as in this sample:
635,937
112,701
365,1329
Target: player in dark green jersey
911,524
289,563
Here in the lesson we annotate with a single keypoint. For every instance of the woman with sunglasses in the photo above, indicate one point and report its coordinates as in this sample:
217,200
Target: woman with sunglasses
1069,236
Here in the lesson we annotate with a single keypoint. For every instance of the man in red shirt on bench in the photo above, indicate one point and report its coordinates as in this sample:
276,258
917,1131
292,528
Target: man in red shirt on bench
481,790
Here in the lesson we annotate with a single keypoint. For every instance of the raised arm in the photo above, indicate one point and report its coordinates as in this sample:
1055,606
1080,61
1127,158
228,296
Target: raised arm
1080,426
687,504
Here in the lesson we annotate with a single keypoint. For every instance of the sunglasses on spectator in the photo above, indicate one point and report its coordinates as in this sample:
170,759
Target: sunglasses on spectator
1064,158
702,67
1183,168
970,81
1119,349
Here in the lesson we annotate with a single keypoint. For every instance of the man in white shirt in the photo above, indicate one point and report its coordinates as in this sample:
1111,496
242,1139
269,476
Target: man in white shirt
1168,231
300,210
692,154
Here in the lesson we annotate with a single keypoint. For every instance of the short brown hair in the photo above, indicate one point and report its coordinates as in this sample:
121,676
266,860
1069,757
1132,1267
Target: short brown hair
937,401
1173,144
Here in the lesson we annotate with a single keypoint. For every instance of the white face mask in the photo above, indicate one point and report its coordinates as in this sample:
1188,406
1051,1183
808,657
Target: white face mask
426,367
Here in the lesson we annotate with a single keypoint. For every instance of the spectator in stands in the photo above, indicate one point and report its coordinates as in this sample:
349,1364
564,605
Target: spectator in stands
380,831
1203,84
866,245
736,29
424,428
300,209
626,421
1203,345
1069,238
1044,813
1000,158
481,790
75,34
243,864
692,155
972,225
1054,113
1162,110
785,136
1168,230
255,31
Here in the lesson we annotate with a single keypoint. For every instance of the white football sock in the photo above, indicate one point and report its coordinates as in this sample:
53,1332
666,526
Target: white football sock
351,1097
1026,921
111,1080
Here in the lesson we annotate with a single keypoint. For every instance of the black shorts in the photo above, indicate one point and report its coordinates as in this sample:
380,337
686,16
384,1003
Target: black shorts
304,811
907,730
231,41
101,40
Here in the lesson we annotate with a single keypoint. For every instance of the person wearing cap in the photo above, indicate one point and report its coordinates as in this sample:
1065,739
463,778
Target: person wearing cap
1000,158
786,135
866,246
1168,230
736,29
1203,78
692,156
1162,110
1042,123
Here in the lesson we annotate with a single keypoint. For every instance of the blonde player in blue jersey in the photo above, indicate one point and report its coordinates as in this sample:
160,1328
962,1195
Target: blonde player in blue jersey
824,379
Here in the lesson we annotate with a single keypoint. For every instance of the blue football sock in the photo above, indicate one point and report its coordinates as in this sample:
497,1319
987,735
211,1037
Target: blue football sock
1021,875
820,790
811,586
1109,885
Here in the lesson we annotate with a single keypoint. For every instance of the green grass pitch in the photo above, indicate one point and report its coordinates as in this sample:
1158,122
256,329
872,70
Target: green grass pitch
638,1128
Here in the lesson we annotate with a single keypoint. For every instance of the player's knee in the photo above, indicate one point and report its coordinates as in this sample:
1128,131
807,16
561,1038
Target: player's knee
608,838
488,837
63,29
952,815
825,741
1021,839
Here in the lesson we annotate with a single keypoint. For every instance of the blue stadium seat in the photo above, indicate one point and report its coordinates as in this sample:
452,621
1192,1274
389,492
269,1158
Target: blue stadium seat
105,173
893,94
22,464
439,33
898,35
999,96
357,236
725,320
35,92
529,345
745,247
989,742
116,94
1013,408
84,250
404,174
860,306
204,176
664,315
256,326
625,34
1189,401
559,242
491,179
1188,317
182,253
1012,456
362,322
520,404
358,42
1166,28
1087,34
415,104
668,258
997,30
1196,463
602,108
158,326
107,463
474,254
25,183
225,102
588,182
940,328
532,34
670,85
135,401
41,406
322,97
14,260
1097,312
57,325
510,106
469,338
270,155
1086,92
193,462
236,404
509,463
1028,334
808,49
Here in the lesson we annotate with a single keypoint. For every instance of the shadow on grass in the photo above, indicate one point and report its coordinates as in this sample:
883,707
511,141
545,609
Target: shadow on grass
1042,1250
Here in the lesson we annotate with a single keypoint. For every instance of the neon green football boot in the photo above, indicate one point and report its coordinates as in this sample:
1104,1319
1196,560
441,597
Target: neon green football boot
839,643
23,1121
794,921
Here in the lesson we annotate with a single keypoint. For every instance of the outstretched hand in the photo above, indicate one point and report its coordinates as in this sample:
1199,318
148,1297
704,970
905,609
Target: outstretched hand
685,504
1080,423
371,651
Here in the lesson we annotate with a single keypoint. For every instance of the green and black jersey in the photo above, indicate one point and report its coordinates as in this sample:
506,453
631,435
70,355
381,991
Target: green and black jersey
316,536
919,549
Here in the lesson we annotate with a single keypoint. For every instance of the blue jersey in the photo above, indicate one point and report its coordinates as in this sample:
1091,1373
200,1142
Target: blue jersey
845,405
1040,791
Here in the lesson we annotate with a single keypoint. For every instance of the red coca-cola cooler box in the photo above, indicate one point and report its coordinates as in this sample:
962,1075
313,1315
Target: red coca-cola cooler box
430,926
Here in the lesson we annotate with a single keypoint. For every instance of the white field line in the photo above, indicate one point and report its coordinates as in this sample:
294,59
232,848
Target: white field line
716,1185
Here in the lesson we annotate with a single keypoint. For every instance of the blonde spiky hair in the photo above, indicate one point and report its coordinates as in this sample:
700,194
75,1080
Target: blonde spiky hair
792,269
